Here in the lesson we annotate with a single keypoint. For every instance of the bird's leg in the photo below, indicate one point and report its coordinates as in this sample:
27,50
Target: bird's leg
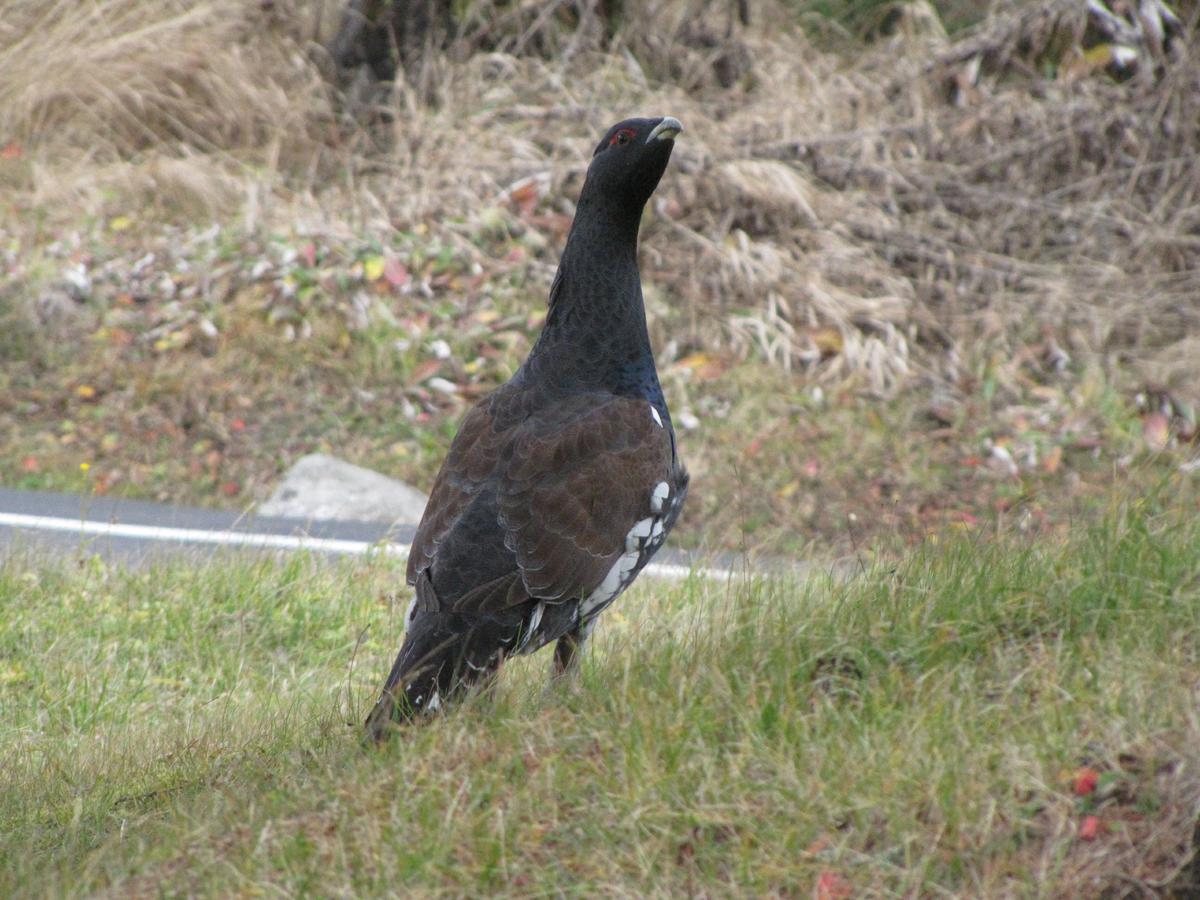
566,651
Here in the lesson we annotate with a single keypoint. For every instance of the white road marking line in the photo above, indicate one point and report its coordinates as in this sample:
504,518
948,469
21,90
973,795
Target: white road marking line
168,534
196,535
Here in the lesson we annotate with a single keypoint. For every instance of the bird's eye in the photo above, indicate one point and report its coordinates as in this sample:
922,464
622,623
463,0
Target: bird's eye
624,136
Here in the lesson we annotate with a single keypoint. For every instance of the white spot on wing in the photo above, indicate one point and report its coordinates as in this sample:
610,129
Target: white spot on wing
608,589
531,627
661,491
638,533
618,576
411,612
435,702
654,415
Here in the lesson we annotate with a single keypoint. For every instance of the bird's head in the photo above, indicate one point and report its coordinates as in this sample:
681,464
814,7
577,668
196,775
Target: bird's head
631,158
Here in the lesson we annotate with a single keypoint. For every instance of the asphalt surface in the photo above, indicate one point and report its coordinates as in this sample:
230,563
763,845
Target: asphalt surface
136,532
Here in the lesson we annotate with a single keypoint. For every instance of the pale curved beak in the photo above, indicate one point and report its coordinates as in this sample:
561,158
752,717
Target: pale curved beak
665,130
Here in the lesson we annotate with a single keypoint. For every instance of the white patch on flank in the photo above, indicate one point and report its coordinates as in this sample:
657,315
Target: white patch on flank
530,630
657,530
410,613
637,534
661,491
608,589
655,416
619,576
434,704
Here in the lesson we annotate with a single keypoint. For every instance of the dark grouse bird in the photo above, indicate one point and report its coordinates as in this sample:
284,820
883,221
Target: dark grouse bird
562,484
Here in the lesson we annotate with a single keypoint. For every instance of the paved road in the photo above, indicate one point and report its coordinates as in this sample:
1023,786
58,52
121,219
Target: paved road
135,531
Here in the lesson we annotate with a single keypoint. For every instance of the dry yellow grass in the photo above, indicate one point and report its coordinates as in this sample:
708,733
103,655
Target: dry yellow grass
921,206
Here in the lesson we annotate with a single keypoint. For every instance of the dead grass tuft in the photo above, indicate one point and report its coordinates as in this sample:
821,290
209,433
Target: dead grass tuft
157,97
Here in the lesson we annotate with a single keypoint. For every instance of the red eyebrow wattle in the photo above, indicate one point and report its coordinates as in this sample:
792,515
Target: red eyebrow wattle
628,132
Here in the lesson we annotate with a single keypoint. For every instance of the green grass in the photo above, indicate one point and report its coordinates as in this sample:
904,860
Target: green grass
191,729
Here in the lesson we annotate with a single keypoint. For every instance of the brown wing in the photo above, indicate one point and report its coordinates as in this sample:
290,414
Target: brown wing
570,479
581,476
470,463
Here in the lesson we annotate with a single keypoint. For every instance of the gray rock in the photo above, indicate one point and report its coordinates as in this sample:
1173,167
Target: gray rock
322,487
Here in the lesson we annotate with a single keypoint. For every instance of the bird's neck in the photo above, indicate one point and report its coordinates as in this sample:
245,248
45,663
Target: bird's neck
595,333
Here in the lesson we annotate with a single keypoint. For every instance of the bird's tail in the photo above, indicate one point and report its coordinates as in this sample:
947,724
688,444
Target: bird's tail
443,655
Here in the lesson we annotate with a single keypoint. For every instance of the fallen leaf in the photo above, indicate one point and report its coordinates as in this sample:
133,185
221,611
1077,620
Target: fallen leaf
11,151
817,846
373,267
485,316
1052,460
85,392
30,464
238,424
395,272
230,489
1156,431
1089,828
703,366
525,195
423,370
308,253
1084,781
828,341
832,886
120,223
1120,55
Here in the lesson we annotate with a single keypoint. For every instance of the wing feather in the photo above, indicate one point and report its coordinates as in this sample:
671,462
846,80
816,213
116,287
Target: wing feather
570,479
